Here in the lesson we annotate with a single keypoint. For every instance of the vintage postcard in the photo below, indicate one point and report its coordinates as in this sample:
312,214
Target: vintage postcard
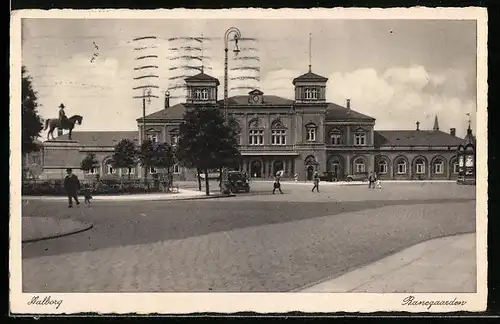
270,161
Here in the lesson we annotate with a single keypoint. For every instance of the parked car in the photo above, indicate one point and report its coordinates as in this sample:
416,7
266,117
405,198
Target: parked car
238,181
327,176
357,177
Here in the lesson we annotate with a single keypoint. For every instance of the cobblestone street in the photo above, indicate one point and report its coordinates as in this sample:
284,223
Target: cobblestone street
252,242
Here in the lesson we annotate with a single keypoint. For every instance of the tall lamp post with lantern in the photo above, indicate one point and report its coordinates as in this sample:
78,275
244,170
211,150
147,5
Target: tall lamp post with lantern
235,32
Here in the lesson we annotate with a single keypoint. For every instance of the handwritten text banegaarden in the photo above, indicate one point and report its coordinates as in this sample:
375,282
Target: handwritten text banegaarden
411,301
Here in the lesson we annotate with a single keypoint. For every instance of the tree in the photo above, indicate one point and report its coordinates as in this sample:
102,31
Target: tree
89,162
146,155
206,141
31,121
125,155
156,155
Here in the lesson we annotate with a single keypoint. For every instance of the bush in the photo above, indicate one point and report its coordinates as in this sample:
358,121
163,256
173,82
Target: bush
103,187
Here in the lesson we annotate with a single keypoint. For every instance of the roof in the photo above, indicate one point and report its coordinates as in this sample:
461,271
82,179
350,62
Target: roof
174,112
337,112
100,138
202,77
469,139
311,77
415,138
266,100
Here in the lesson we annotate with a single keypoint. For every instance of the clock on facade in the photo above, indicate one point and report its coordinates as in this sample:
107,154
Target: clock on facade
255,98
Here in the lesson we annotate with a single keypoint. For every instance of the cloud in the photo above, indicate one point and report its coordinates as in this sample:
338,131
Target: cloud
400,96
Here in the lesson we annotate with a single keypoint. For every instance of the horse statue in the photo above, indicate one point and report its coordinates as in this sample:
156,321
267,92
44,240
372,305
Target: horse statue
67,124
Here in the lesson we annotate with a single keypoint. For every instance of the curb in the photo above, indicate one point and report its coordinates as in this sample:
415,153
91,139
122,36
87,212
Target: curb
48,237
365,265
194,198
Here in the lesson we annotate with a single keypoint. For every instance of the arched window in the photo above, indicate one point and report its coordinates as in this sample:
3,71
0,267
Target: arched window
401,166
204,94
382,167
335,137
420,166
255,134
197,94
109,167
278,133
359,165
177,169
311,93
438,166
311,132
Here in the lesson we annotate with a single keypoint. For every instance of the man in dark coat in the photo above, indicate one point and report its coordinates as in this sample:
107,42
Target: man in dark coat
371,180
316,182
71,185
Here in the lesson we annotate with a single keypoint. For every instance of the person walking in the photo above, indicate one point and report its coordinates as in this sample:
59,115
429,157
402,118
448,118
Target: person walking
277,184
371,181
71,185
316,182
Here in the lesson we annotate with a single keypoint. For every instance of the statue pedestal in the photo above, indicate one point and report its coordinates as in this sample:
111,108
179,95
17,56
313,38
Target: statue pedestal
59,155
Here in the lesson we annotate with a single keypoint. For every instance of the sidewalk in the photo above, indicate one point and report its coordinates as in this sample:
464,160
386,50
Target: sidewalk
183,194
444,265
353,183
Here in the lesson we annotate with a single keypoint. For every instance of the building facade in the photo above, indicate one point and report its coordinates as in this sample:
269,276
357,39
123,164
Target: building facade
299,136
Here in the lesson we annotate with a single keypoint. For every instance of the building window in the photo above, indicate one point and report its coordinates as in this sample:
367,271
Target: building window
401,167
256,137
336,138
360,138
311,94
109,168
204,94
177,169
438,167
382,167
420,166
201,94
311,133
455,167
175,139
278,137
152,170
153,138
359,166
126,171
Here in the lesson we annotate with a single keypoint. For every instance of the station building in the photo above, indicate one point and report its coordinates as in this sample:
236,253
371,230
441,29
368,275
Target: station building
299,136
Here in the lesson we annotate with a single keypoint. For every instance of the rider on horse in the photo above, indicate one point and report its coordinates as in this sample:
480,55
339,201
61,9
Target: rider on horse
62,115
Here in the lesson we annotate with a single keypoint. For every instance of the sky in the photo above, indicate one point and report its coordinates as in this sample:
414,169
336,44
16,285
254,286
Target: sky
397,71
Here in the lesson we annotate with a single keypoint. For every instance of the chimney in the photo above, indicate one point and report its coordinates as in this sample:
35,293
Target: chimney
167,99
418,125
348,104
453,131
59,132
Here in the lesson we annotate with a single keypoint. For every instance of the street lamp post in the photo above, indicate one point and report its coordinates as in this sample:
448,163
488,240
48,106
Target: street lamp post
237,35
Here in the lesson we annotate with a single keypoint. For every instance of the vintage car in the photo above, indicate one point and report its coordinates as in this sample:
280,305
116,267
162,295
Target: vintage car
357,177
238,181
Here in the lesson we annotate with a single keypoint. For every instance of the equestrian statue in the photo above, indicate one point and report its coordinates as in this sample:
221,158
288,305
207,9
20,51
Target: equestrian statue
62,122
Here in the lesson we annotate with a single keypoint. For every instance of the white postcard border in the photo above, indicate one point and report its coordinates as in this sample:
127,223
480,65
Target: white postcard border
181,303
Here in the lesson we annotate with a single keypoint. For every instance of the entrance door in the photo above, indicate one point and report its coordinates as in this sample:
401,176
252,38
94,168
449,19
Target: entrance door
277,166
310,172
256,169
335,169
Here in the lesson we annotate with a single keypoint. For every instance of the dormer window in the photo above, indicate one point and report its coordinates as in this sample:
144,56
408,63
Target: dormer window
311,94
